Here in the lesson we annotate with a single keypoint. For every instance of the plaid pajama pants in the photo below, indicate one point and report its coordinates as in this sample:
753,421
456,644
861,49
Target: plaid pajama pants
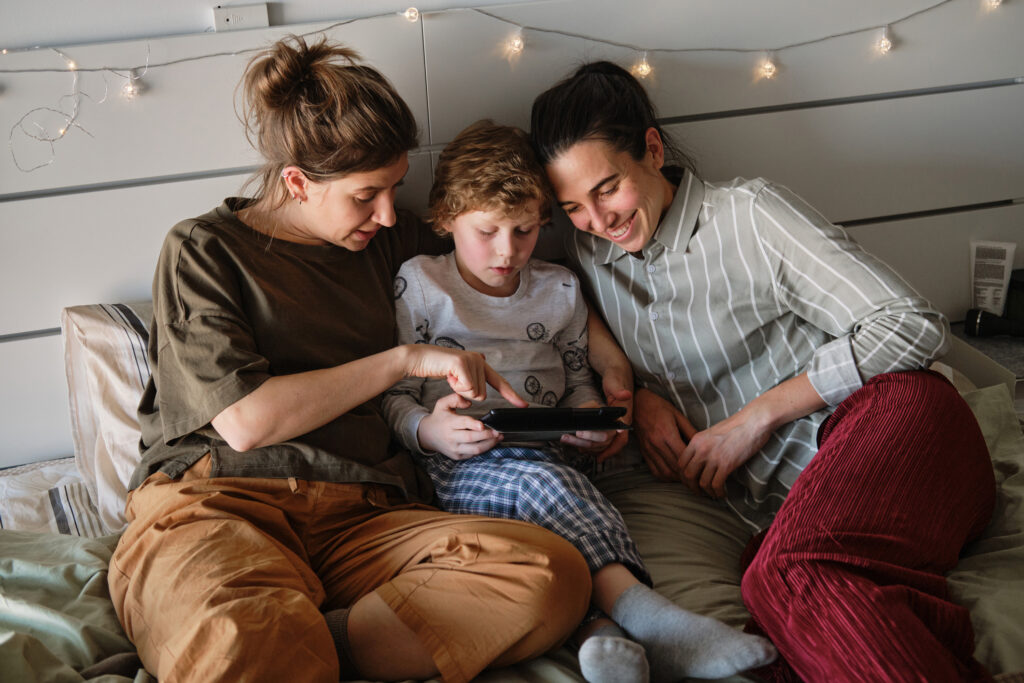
542,486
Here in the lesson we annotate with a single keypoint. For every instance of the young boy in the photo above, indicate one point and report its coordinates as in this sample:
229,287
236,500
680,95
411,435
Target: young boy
529,319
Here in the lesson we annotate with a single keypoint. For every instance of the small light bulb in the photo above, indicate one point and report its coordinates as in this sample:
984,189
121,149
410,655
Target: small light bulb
72,65
516,44
133,86
643,68
63,131
768,68
5,50
993,4
412,14
884,43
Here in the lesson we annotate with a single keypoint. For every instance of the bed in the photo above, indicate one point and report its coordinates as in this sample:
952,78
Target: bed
61,520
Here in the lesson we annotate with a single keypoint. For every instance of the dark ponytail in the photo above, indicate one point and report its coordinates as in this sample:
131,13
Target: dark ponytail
599,101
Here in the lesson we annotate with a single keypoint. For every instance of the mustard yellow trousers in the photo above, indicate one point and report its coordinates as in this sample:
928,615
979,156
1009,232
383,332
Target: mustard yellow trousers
225,579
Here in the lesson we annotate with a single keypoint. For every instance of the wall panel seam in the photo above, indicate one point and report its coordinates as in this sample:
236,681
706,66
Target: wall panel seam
839,101
31,334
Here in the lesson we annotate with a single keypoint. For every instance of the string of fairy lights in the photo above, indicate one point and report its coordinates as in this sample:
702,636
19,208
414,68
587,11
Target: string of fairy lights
30,127
767,65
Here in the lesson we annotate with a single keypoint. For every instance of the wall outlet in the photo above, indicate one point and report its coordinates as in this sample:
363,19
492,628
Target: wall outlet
239,17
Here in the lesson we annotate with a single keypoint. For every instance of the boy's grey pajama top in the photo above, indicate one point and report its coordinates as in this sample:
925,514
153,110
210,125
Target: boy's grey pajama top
537,340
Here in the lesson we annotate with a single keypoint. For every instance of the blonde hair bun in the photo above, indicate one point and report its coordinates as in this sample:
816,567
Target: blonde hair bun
318,107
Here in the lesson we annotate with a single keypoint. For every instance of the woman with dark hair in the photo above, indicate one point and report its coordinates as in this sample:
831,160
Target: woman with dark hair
780,369
273,533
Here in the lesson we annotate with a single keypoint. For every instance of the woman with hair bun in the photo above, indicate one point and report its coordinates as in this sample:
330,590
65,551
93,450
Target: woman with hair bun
273,532
780,371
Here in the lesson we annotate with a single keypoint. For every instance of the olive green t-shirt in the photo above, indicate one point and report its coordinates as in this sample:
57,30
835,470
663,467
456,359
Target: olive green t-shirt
233,307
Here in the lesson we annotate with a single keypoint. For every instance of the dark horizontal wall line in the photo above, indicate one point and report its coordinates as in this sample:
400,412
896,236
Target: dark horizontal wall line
929,212
119,184
837,101
143,182
33,334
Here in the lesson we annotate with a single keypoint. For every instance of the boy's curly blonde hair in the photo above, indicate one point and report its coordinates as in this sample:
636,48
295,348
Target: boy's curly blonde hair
487,167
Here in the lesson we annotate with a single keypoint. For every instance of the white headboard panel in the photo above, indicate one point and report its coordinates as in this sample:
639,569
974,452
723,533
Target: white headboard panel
184,121
917,151
868,159
36,423
101,246
932,253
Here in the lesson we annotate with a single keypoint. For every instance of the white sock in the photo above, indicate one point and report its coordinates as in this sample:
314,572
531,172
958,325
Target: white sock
609,656
681,644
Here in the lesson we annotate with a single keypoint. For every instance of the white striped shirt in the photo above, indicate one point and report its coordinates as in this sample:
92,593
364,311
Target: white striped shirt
742,286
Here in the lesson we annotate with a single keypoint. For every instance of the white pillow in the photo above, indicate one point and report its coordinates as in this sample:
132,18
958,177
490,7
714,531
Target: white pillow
107,369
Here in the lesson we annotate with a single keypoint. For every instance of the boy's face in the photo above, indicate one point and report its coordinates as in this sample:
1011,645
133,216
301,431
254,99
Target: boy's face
491,247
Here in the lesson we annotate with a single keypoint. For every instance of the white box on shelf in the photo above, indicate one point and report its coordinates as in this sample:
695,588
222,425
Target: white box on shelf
983,371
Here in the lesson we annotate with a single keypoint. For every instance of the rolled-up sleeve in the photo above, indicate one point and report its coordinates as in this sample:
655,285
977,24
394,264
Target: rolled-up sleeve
879,322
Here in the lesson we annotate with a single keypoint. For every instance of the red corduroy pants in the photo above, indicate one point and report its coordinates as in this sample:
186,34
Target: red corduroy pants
849,580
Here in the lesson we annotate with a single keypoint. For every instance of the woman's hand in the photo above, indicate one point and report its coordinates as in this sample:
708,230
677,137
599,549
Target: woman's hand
457,436
715,453
467,372
663,433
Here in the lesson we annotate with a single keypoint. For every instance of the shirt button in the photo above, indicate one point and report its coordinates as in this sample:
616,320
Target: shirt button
651,269
654,316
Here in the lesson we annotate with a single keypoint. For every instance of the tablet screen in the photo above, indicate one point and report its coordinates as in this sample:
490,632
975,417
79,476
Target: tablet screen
543,424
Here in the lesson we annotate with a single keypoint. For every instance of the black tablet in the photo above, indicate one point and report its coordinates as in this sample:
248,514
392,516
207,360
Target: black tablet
544,424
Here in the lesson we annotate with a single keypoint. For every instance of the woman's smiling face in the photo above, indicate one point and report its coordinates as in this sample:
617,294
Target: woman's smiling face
608,193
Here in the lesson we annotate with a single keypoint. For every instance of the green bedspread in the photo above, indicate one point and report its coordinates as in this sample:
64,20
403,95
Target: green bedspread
56,618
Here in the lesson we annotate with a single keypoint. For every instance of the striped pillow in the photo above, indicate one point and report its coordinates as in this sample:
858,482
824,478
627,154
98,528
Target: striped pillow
48,497
107,369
